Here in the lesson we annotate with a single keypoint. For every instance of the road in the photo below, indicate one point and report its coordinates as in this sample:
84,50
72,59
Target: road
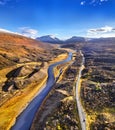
24,120
81,112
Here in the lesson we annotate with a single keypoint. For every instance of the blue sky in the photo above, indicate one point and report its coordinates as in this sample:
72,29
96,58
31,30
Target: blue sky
62,18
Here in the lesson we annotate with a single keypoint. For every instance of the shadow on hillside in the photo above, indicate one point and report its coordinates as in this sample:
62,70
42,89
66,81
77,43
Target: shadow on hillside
14,73
10,83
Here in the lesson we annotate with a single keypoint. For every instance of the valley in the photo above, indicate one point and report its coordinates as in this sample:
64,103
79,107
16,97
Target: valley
21,80
57,64
82,84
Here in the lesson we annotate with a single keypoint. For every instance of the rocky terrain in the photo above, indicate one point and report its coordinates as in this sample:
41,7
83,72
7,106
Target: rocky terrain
98,86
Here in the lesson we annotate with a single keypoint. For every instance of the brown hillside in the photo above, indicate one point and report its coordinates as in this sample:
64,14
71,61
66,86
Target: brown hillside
17,49
21,40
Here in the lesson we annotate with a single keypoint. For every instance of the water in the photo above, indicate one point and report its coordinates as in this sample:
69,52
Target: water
24,120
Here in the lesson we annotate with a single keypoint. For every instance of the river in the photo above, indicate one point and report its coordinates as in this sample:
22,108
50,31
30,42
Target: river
25,119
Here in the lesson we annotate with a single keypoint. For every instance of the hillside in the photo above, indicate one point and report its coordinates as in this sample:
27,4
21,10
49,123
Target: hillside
17,49
23,71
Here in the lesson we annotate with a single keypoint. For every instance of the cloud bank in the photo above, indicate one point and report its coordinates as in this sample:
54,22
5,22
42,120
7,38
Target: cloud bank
28,32
24,31
106,31
92,2
4,30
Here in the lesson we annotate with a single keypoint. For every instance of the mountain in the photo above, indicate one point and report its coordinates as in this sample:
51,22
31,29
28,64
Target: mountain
102,40
52,39
75,39
49,39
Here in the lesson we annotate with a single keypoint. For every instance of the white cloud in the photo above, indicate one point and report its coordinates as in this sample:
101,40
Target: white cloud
93,2
82,3
29,32
24,31
8,31
106,31
102,29
4,30
103,0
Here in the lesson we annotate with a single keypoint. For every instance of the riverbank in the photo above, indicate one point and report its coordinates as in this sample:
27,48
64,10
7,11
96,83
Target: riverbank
13,107
59,110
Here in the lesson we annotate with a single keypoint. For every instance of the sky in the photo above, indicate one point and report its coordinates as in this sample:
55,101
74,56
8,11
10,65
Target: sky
61,18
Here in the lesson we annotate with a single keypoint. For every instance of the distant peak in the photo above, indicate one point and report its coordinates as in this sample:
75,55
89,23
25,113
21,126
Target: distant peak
52,36
49,39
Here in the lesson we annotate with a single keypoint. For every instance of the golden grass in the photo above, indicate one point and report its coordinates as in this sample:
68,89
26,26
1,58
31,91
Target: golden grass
59,58
4,71
68,99
64,66
63,71
12,108
62,92
90,118
68,49
109,113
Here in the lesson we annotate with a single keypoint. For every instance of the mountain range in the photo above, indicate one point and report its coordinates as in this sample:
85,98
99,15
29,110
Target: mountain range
74,39
55,40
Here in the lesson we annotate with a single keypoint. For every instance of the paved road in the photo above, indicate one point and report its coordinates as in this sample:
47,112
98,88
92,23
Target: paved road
25,119
81,112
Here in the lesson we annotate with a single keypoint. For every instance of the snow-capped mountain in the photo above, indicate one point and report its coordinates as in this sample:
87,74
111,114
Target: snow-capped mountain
74,39
53,39
49,39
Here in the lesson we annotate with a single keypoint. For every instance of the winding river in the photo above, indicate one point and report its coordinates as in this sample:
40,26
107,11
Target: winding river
24,120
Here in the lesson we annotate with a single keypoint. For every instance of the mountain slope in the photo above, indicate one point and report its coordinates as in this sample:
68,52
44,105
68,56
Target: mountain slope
52,39
17,49
75,39
49,39
101,40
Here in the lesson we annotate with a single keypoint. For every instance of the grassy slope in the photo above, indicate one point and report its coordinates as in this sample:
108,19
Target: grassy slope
15,105
29,53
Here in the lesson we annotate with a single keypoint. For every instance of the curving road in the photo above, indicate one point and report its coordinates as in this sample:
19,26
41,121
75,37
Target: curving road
24,120
81,112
